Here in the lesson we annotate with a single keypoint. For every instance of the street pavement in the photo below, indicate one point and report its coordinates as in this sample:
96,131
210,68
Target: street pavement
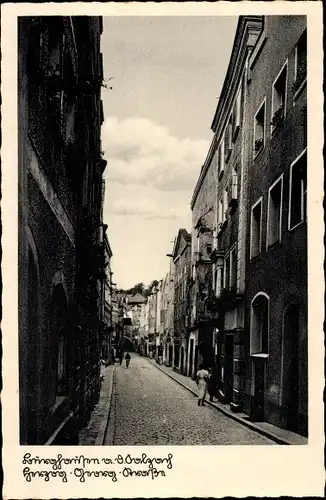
149,408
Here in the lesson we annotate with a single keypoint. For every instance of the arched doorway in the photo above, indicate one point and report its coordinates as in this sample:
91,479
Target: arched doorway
59,344
290,368
32,356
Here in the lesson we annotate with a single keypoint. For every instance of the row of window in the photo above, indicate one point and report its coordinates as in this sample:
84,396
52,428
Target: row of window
297,207
279,96
225,277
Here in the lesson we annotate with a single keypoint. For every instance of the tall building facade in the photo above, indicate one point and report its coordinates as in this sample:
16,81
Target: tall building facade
182,263
203,205
61,260
276,368
248,292
229,245
167,314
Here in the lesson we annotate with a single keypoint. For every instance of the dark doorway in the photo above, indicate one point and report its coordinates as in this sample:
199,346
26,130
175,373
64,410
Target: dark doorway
182,360
228,368
291,366
176,355
170,355
191,357
32,355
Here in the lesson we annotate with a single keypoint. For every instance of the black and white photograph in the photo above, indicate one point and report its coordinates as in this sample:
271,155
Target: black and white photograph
163,219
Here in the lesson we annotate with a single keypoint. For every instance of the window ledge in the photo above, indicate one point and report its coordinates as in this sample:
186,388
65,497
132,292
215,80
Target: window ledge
257,153
235,134
255,257
297,225
300,89
276,128
271,245
259,355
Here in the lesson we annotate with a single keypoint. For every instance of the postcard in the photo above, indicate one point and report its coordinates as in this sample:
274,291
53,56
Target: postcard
162,249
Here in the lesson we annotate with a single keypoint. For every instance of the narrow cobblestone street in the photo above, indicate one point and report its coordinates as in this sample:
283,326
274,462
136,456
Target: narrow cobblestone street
149,408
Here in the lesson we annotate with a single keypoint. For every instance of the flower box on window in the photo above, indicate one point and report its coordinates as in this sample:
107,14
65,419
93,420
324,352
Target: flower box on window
278,117
258,145
301,76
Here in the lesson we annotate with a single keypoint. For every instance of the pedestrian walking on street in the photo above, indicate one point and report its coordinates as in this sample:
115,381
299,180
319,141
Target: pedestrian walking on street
127,358
202,378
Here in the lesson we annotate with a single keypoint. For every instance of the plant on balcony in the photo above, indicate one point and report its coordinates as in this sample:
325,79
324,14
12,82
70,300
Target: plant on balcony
258,145
278,117
301,76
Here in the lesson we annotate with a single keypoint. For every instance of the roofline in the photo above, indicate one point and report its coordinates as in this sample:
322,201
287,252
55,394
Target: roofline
176,241
244,24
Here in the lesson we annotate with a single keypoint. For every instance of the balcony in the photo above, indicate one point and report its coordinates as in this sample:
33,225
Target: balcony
217,256
200,260
228,298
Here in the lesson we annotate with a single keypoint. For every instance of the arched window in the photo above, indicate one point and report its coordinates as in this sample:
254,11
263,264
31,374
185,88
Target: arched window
259,324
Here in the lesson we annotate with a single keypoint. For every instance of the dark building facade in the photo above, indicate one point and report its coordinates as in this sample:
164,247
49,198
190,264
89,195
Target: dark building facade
276,371
219,230
61,260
